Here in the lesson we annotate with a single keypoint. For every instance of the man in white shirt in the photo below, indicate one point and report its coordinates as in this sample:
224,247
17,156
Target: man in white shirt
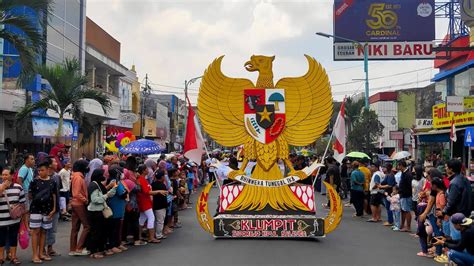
65,175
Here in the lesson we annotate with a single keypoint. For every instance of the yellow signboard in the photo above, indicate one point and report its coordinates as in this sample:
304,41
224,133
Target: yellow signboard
469,104
443,118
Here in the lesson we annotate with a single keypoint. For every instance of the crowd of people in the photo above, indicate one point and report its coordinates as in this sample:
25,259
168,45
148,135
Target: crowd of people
113,203
439,200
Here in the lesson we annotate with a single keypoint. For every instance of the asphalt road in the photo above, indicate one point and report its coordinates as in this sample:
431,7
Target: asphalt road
355,242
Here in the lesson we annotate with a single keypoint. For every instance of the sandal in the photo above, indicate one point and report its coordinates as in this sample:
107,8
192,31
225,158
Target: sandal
15,261
97,256
154,241
46,258
53,253
37,261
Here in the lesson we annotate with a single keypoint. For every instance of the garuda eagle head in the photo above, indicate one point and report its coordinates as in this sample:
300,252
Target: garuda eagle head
260,63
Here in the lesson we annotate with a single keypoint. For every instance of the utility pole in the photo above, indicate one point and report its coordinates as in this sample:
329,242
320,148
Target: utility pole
145,93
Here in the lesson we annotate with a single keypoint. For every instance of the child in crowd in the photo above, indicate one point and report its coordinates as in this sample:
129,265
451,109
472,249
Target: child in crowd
394,200
42,192
159,203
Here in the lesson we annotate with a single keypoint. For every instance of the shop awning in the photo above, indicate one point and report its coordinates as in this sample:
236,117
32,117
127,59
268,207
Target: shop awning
441,135
443,75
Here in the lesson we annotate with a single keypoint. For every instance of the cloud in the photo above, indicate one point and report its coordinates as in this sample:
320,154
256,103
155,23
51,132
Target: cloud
176,40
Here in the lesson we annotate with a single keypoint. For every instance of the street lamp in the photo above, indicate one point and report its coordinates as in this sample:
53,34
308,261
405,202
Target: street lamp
186,84
366,61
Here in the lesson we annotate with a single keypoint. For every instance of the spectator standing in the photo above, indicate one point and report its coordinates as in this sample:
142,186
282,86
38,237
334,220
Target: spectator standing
367,176
98,196
459,195
405,197
394,199
387,185
51,233
159,203
42,209
117,204
10,193
25,174
145,204
65,175
376,194
357,189
79,202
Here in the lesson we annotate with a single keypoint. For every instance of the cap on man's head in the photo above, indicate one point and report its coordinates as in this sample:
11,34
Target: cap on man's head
460,219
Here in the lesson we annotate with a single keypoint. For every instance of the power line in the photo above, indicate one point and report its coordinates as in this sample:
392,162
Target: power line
382,77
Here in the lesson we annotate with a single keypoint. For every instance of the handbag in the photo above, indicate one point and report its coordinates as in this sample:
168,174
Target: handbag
16,210
107,211
23,236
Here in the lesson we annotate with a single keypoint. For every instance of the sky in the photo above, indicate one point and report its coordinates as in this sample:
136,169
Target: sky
175,40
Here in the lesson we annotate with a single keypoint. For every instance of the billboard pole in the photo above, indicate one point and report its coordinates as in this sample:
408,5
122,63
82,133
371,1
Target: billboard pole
366,70
366,61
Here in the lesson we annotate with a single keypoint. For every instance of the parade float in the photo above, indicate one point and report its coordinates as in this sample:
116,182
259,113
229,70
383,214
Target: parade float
266,118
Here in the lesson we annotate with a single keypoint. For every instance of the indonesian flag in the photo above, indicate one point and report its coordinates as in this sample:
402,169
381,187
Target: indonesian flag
193,142
452,134
339,146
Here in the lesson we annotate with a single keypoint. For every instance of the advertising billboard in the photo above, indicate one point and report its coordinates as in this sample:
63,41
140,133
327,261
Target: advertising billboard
387,26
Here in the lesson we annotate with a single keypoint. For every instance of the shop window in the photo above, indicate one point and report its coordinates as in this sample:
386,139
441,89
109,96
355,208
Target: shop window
462,84
441,90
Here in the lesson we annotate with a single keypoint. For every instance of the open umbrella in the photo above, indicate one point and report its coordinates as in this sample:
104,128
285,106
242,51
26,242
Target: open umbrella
358,155
142,146
401,155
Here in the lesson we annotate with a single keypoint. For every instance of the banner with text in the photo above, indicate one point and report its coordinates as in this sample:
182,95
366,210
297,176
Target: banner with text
384,51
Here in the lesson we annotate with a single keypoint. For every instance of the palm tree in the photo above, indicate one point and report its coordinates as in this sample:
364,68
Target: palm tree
31,42
68,90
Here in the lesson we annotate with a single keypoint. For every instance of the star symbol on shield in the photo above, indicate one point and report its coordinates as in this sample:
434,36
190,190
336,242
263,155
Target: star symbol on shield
265,115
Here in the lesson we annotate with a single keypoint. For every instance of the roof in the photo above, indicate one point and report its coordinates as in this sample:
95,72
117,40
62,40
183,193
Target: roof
445,74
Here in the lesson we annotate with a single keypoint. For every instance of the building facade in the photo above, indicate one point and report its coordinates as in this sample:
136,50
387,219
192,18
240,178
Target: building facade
65,39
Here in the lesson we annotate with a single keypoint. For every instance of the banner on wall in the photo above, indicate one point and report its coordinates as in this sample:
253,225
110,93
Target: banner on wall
46,127
443,119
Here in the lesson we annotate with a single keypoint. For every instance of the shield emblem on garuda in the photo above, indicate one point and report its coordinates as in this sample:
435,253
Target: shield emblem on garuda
264,113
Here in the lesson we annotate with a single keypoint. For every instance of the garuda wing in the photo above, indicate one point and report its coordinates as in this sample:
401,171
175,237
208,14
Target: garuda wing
221,105
308,105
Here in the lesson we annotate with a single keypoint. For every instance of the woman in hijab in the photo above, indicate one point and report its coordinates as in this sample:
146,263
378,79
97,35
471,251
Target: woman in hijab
98,195
117,204
93,165
151,166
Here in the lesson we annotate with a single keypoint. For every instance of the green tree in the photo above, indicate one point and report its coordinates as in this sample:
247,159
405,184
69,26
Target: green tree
352,111
30,41
68,90
365,132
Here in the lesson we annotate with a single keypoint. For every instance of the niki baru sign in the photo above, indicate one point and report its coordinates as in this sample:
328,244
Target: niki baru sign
387,28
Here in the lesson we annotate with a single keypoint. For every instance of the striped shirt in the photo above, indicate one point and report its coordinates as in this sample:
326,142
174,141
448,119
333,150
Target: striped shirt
15,195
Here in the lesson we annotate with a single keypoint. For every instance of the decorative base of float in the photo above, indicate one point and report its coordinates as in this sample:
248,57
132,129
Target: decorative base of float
268,226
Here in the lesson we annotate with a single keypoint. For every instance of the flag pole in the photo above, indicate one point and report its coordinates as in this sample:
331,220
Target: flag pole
329,141
325,152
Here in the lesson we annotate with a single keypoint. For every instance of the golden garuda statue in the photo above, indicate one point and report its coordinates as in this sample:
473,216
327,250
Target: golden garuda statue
265,118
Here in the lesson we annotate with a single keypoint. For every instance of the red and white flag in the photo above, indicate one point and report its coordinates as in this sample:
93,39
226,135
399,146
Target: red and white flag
452,134
193,141
339,146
